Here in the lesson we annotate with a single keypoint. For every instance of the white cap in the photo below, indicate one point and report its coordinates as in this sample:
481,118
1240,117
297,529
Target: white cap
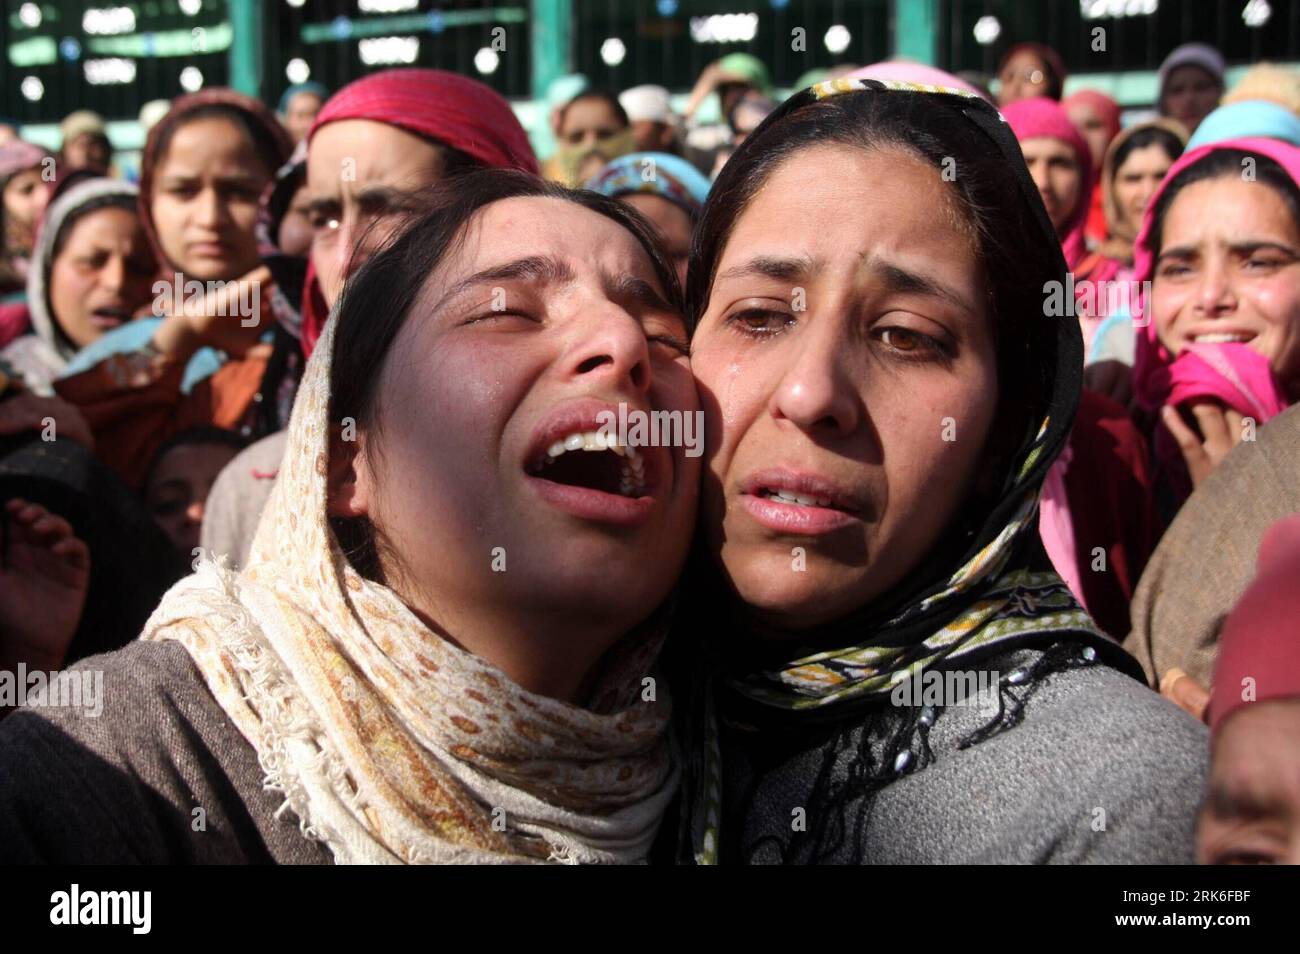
646,103
153,111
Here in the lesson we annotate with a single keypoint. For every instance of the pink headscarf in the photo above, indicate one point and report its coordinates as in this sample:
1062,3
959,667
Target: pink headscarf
1039,117
904,71
448,108
1103,106
1233,373
1260,640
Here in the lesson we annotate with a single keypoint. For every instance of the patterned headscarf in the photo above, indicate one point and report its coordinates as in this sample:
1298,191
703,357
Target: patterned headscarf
999,594
389,742
654,173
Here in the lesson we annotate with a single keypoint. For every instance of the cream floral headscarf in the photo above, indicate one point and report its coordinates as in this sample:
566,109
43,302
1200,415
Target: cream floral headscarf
389,742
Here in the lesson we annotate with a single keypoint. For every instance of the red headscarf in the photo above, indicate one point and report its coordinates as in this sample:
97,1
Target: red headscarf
261,119
1039,117
447,108
1260,640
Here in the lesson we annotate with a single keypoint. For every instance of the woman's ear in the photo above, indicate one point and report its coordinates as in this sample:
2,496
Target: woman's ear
349,488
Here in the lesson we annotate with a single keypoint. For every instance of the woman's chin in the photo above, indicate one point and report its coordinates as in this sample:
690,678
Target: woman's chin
796,599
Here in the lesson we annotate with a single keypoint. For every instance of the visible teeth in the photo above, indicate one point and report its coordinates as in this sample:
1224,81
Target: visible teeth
590,441
632,478
786,496
1221,338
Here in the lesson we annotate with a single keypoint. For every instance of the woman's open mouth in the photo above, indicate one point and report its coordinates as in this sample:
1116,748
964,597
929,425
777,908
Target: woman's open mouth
591,459
586,472
106,319
1222,337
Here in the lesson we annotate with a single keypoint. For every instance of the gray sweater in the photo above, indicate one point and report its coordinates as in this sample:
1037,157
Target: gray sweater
1101,770
128,785
160,776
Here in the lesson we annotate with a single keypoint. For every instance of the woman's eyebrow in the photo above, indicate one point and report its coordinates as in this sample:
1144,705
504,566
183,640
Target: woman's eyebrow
902,280
636,290
1249,246
545,269
1230,802
1179,251
782,269
1244,247
321,206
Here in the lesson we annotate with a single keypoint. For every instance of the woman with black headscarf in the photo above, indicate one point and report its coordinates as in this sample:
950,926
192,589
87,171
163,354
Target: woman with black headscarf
901,676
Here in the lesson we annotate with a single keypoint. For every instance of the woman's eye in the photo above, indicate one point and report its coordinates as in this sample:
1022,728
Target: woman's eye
497,314
672,341
760,323
1245,858
164,509
908,342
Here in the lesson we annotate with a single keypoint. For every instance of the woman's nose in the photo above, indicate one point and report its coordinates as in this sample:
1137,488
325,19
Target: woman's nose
815,393
611,349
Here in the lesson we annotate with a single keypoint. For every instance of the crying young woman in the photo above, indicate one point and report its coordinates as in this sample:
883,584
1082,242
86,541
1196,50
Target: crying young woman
893,673
441,649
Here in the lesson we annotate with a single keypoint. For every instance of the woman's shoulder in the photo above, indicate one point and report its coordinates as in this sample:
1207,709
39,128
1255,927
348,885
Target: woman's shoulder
126,756
1097,768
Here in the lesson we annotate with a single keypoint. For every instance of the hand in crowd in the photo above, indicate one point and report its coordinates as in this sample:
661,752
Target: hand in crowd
1220,431
31,412
1186,693
710,79
216,321
44,577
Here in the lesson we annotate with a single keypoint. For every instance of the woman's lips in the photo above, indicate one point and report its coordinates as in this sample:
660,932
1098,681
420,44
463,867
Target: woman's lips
106,319
795,518
210,249
800,503
588,503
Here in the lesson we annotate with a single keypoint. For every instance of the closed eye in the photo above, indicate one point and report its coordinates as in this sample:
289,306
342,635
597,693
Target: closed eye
672,341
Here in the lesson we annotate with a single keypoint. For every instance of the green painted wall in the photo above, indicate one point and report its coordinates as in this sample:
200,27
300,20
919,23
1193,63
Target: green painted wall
552,32
916,30
246,49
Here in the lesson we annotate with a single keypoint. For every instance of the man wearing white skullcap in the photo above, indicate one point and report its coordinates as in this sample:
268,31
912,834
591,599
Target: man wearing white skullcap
651,114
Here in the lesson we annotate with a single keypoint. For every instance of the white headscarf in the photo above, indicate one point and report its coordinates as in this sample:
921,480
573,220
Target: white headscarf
41,356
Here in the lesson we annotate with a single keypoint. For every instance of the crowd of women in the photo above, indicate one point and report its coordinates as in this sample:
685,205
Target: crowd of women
301,450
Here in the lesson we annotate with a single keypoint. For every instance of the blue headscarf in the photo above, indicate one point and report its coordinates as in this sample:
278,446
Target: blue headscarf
1247,119
656,173
316,89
